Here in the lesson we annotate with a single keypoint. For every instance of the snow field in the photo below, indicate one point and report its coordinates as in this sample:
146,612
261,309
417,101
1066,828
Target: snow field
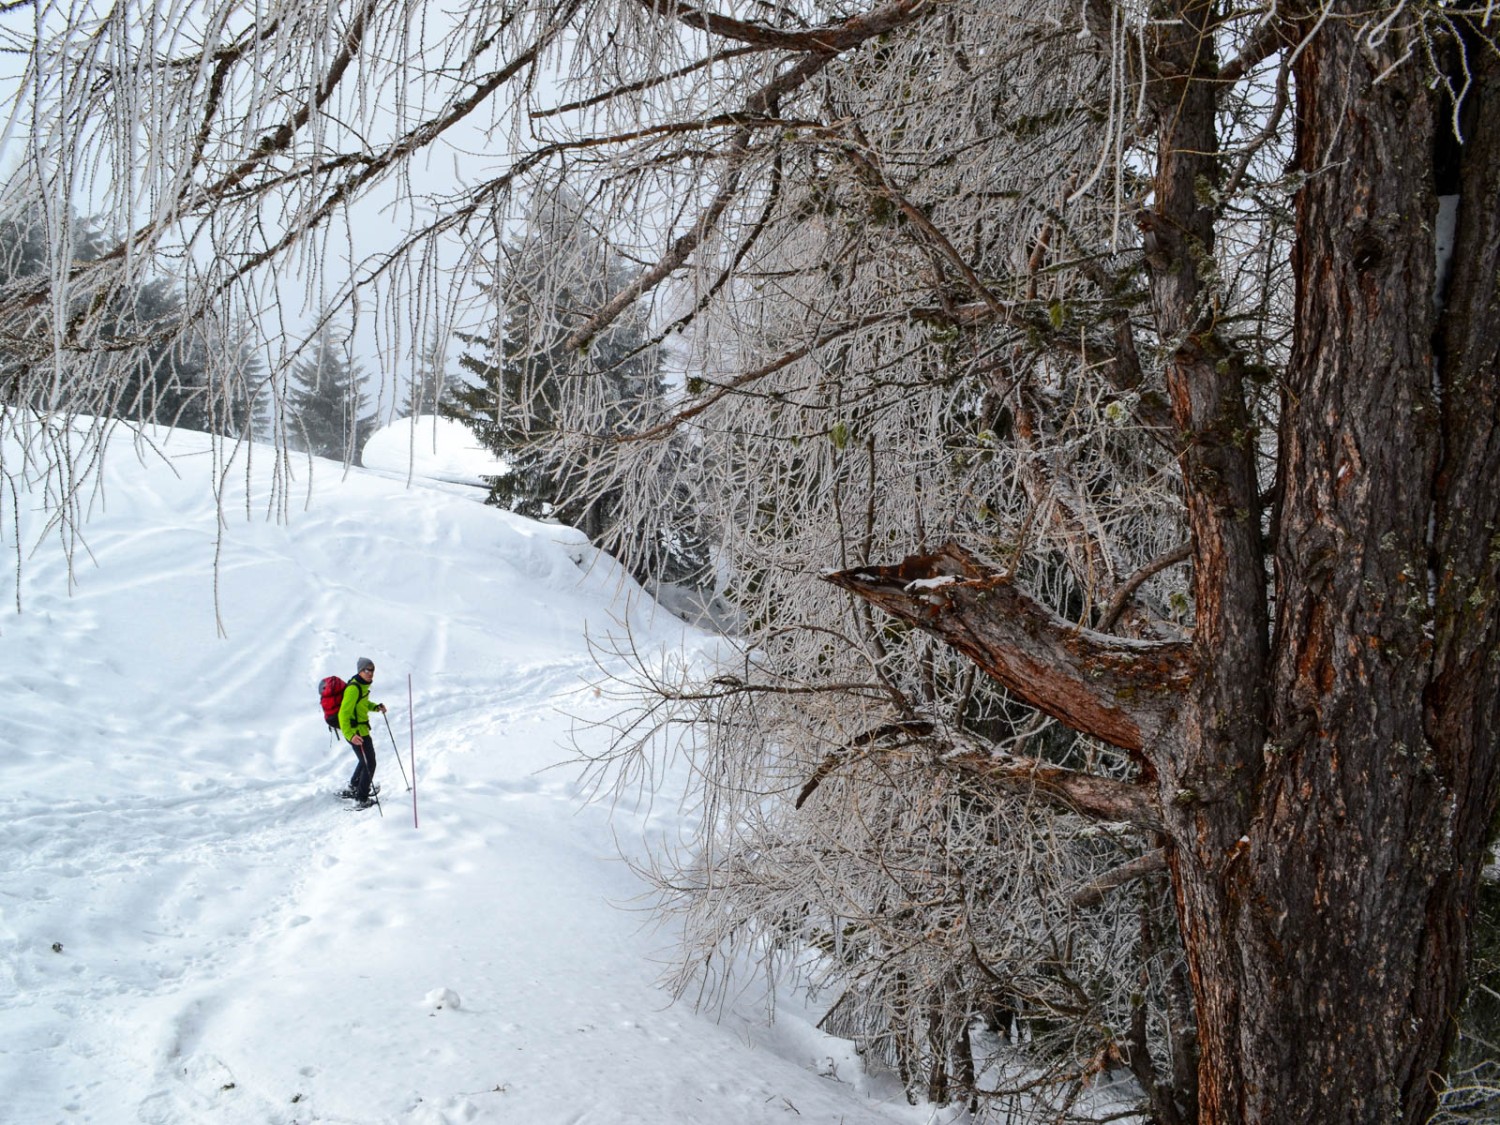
194,929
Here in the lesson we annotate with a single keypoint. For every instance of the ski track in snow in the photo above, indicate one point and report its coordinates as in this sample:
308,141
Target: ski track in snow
233,944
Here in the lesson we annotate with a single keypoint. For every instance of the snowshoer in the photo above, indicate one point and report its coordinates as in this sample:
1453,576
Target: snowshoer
354,724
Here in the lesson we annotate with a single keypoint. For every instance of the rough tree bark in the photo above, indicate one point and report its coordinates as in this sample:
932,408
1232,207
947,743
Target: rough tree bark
1325,779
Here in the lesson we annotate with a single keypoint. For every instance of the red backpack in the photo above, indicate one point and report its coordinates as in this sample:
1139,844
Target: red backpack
331,696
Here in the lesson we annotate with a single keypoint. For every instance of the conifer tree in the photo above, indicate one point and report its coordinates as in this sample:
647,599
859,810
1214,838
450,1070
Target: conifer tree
433,385
244,406
168,383
164,364
329,409
528,380
24,260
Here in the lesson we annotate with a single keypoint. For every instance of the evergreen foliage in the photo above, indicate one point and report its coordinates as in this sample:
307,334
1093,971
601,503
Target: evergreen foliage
24,258
329,410
244,407
168,380
164,365
527,381
23,253
432,387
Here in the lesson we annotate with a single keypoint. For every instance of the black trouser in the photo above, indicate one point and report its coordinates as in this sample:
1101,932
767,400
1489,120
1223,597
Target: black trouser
364,773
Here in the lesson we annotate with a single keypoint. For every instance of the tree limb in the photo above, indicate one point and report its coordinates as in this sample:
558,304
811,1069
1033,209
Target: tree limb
1128,588
1142,865
1113,689
1100,798
683,247
819,46
744,379
1263,42
905,729
823,40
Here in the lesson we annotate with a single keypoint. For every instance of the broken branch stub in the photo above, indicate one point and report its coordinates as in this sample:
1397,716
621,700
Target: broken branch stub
1115,689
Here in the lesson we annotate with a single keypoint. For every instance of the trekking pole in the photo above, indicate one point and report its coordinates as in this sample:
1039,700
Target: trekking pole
396,748
411,727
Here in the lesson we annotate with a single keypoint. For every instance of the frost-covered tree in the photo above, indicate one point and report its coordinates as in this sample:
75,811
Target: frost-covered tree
1098,407
24,256
168,385
158,364
528,385
247,403
328,406
433,384
160,381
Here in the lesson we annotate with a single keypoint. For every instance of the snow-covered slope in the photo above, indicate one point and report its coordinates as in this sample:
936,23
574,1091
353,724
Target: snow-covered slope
193,928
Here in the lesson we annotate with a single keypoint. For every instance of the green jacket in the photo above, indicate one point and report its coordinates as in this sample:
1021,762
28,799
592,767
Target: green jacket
354,712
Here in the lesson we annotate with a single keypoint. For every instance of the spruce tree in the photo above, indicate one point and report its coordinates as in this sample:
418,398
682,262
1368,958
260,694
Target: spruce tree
23,260
168,383
245,406
527,380
329,408
433,385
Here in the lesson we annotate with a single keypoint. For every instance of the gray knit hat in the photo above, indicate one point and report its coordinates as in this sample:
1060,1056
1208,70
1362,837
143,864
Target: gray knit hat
365,663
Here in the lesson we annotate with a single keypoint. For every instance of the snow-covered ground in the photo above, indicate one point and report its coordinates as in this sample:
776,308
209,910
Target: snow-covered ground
194,928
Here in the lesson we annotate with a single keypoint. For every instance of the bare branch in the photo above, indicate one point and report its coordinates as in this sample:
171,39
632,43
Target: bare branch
1093,894
1099,798
684,246
826,40
1128,588
1268,38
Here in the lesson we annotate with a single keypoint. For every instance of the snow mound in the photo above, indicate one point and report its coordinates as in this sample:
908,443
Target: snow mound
440,998
430,448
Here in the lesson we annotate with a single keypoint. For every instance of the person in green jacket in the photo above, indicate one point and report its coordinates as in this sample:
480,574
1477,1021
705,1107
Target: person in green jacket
354,724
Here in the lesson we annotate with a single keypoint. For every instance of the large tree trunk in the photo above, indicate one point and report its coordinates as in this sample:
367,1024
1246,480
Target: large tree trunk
1347,1006
1325,781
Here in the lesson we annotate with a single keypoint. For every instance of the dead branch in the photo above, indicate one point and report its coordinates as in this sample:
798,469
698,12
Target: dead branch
1128,588
1138,868
1113,689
